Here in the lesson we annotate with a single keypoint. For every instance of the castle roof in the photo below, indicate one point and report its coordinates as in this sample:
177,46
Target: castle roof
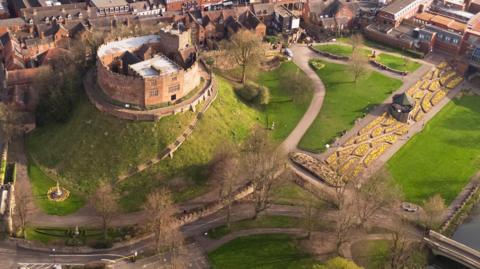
155,66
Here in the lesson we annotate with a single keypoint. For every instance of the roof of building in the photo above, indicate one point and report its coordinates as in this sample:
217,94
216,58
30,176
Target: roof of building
263,8
403,99
12,22
46,57
397,6
108,3
441,21
155,66
126,44
474,23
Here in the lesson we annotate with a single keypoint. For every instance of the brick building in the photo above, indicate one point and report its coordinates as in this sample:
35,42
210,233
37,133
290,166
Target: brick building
396,12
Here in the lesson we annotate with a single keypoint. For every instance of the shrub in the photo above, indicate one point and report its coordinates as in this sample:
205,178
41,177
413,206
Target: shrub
248,92
254,93
263,97
272,39
210,61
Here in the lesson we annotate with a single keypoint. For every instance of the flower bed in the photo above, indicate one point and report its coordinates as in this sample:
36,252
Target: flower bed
361,150
426,105
437,97
375,153
317,168
454,82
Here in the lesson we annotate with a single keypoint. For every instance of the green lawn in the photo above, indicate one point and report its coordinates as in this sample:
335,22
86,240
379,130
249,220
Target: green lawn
442,158
376,45
372,254
261,251
397,63
64,236
340,49
263,221
41,183
345,101
284,110
289,193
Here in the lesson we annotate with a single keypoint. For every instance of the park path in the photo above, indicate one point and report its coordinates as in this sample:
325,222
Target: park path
301,56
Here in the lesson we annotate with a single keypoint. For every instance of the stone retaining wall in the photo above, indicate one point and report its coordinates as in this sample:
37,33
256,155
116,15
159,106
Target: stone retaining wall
457,213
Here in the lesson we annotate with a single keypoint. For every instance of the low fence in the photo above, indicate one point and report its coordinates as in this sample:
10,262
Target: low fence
384,67
329,55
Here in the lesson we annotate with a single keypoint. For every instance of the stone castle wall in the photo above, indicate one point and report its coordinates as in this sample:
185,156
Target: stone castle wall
152,91
191,78
125,89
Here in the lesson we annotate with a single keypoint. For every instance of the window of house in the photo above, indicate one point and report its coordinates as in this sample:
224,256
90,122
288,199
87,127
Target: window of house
154,93
174,88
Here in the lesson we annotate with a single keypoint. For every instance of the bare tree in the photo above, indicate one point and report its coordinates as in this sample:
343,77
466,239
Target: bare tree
345,224
434,209
224,170
377,192
176,247
356,41
22,210
262,165
358,64
310,210
402,246
105,201
246,49
160,210
9,122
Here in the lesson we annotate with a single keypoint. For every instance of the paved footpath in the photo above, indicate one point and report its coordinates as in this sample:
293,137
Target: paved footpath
301,55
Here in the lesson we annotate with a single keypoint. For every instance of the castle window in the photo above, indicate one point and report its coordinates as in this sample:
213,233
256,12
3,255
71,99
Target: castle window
174,78
174,88
154,93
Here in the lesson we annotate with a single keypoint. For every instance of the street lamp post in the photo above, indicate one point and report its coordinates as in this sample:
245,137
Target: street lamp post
53,250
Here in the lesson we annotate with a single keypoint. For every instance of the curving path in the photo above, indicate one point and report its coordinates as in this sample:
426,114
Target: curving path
301,55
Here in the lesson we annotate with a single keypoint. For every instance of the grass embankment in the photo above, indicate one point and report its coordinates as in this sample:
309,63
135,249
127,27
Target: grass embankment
345,101
94,146
444,156
261,251
227,119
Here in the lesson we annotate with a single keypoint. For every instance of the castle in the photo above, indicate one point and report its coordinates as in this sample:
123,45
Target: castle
147,72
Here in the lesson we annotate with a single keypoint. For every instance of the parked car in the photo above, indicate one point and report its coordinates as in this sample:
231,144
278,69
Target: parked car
288,53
